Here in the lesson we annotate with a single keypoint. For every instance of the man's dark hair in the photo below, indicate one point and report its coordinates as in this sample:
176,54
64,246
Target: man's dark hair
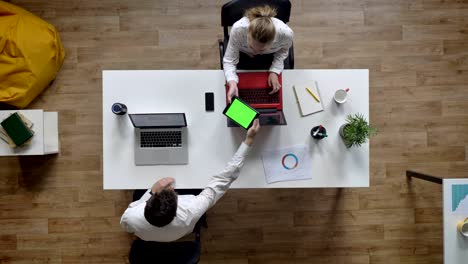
161,208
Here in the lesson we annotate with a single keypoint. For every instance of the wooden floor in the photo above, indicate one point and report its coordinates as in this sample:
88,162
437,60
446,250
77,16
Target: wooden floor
53,209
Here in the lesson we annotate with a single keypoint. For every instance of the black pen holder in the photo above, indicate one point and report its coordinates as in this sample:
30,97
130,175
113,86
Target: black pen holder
320,134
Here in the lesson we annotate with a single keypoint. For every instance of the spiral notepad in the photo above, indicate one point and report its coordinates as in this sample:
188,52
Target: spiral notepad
306,102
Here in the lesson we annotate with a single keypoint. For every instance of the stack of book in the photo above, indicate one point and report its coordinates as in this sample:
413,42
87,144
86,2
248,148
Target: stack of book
16,130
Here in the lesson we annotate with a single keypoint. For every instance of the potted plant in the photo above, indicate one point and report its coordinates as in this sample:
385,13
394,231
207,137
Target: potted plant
356,130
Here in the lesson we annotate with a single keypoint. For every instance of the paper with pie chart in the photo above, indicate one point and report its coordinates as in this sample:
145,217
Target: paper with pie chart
460,199
287,164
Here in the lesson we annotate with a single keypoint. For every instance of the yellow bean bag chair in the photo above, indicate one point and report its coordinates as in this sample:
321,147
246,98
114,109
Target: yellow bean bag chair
31,54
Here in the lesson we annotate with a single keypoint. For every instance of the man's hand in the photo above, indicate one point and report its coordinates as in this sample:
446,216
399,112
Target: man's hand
232,90
162,184
273,82
252,132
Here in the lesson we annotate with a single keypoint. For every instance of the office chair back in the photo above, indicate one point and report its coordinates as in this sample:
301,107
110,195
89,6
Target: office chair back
146,252
234,10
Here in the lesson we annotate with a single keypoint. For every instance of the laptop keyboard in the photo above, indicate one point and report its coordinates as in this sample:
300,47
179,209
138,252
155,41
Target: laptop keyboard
160,139
259,96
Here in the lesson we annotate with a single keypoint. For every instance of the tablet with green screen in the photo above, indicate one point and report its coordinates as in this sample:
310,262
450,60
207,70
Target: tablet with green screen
241,113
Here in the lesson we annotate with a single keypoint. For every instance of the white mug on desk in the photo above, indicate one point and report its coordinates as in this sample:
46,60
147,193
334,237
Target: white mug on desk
341,95
462,227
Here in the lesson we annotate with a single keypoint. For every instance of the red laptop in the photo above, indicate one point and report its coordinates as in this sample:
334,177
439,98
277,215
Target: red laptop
254,89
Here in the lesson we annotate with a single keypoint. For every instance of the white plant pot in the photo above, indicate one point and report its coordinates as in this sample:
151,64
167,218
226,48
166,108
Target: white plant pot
341,131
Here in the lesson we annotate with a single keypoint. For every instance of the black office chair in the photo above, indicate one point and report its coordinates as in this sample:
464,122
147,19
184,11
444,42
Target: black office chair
178,252
232,12
147,252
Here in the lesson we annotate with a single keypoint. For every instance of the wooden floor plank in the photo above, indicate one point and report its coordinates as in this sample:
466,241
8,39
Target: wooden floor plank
382,48
30,256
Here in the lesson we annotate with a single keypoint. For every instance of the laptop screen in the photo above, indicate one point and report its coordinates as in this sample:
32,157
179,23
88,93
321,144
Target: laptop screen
158,120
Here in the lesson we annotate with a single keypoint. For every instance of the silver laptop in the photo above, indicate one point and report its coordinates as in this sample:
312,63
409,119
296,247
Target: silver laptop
160,138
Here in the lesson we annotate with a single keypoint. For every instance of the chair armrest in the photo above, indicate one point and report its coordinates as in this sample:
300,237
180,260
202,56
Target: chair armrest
291,56
221,53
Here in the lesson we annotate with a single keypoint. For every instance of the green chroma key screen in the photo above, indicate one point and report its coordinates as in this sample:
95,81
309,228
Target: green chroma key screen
241,113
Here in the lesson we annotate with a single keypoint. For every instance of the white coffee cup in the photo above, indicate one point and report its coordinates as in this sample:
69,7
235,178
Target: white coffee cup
462,227
341,96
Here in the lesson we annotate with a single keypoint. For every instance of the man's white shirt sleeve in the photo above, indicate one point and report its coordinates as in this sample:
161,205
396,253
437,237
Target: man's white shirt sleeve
220,182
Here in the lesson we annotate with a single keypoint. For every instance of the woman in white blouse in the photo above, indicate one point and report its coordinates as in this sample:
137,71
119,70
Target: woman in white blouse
258,32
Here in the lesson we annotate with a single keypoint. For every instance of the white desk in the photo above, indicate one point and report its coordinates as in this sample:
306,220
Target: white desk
455,245
212,143
45,139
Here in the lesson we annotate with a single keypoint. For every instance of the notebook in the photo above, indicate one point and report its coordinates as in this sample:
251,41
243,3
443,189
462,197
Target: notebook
306,102
4,136
16,129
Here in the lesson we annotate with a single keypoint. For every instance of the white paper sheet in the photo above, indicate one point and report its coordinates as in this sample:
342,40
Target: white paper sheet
287,164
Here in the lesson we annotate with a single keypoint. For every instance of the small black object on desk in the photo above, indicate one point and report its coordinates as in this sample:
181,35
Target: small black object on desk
209,101
119,109
318,132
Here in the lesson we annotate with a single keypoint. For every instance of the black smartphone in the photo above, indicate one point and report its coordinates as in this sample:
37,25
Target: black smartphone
209,101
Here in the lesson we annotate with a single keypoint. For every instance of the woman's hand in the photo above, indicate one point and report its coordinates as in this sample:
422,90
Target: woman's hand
273,82
232,90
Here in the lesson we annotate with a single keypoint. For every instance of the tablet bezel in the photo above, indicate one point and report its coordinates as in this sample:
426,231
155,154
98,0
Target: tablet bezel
246,104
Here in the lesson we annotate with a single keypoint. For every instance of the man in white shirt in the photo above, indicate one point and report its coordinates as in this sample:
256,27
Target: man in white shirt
257,33
162,215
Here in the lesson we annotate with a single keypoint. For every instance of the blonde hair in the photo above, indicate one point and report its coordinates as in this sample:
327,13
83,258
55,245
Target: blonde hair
261,26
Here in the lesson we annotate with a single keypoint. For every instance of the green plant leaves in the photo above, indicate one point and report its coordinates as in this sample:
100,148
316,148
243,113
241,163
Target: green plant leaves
357,130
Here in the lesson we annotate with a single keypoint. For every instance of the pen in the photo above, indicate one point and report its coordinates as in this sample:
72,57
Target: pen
316,132
311,93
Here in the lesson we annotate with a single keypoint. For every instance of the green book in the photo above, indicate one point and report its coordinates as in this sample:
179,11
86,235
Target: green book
16,129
